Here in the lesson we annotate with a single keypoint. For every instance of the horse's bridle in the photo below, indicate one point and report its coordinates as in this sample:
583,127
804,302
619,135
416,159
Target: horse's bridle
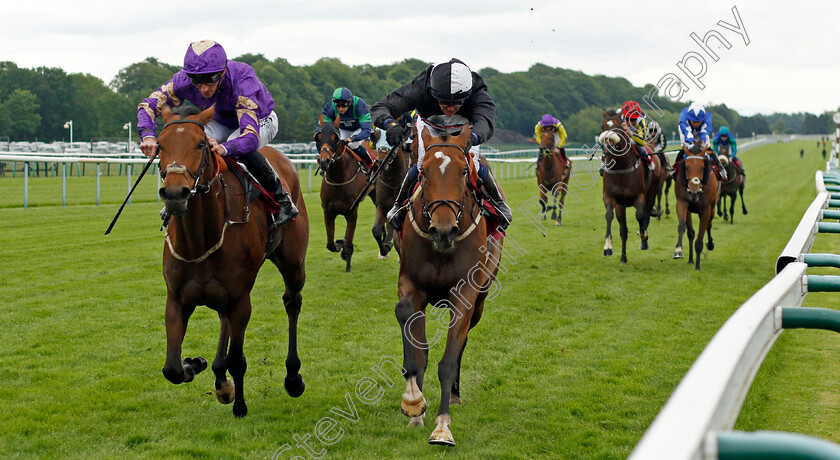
177,168
457,208
705,171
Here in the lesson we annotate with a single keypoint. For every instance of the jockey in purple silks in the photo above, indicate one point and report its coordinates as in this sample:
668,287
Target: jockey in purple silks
244,119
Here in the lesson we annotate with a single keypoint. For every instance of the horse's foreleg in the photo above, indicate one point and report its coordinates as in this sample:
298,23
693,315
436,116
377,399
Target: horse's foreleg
448,368
621,216
667,188
543,203
292,300
412,320
643,217
223,385
347,242
690,229
379,231
682,215
235,361
177,317
329,223
743,205
608,249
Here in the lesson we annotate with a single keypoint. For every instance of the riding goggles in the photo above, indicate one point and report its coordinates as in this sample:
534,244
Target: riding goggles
204,78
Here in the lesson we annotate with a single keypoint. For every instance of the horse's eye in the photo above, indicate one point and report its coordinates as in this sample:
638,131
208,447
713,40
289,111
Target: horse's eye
201,145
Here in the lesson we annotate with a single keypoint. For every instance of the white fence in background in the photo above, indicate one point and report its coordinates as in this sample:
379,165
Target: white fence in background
697,420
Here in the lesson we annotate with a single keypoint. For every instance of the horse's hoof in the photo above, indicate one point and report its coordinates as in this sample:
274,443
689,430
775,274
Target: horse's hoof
557,223
415,421
331,247
225,392
745,212
294,385
414,408
668,212
240,410
644,246
678,255
454,399
710,245
607,252
442,436
381,257
623,260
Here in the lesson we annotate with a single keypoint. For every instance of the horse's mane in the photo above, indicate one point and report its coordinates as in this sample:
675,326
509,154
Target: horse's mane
186,110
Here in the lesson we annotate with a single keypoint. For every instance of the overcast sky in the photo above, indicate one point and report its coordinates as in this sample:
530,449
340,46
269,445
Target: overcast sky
791,64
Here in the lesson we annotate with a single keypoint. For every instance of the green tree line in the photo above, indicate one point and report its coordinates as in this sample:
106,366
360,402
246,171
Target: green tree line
35,103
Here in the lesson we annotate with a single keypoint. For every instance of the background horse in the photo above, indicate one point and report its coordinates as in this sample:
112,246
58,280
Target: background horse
552,176
697,192
443,262
657,210
342,181
627,182
214,249
388,184
731,187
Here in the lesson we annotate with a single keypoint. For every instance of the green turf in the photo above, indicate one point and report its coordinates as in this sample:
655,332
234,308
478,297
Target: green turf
573,360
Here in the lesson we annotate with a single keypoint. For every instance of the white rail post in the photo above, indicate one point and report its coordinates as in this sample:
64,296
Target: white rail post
25,184
97,183
63,184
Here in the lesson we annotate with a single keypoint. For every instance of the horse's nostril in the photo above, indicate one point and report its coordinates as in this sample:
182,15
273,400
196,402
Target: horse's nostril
177,193
454,232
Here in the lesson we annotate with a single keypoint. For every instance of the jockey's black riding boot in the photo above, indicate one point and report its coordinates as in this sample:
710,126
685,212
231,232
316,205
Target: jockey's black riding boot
664,159
739,166
720,167
362,153
396,214
563,154
493,192
268,178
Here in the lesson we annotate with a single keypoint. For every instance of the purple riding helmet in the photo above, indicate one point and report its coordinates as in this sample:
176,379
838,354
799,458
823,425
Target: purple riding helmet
205,57
548,120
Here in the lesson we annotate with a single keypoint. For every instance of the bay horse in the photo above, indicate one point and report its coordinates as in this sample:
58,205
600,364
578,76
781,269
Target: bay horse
627,182
552,176
697,190
387,187
445,262
342,181
216,242
731,187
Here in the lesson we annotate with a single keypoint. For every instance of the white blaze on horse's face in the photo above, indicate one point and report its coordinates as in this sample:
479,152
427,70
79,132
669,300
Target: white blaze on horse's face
695,181
444,163
610,123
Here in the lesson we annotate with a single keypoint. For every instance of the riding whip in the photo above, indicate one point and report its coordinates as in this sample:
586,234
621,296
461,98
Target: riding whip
142,173
373,178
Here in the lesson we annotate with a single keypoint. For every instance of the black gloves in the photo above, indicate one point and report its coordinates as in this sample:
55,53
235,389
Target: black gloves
393,134
471,141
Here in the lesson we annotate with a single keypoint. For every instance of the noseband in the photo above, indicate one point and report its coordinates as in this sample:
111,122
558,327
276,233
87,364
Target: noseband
177,168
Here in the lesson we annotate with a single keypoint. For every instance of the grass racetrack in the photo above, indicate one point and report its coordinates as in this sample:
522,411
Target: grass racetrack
573,360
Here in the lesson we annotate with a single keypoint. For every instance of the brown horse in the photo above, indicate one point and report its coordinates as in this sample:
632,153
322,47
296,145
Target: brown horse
697,191
343,180
731,188
552,177
216,243
627,182
444,261
387,187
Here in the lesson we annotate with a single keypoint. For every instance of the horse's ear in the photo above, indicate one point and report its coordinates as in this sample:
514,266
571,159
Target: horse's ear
317,136
321,120
166,113
605,113
206,115
464,135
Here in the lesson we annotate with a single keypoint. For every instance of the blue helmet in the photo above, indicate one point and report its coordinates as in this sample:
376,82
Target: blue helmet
724,131
203,57
342,94
696,112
